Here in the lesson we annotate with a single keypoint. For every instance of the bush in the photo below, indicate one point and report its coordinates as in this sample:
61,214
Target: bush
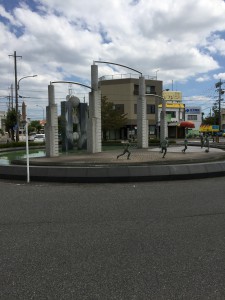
111,143
13,145
154,141
19,144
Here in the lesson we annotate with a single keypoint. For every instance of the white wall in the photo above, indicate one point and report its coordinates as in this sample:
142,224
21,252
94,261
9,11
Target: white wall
194,111
2,117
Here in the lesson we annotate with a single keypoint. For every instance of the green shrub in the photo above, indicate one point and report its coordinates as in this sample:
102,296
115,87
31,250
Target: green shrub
111,143
154,141
19,144
13,145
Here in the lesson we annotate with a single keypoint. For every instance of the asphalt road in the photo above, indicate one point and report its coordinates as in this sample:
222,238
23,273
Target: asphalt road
156,240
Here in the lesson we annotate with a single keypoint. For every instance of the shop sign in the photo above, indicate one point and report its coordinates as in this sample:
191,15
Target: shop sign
172,96
209,128
193,110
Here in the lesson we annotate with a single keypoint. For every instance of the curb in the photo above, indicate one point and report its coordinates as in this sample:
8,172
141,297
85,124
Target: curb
110,174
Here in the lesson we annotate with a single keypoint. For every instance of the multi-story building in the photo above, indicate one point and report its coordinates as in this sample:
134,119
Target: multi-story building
174,116
123,93
175,113
223,119
194,114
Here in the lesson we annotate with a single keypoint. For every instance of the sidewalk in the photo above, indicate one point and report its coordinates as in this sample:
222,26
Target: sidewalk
138,156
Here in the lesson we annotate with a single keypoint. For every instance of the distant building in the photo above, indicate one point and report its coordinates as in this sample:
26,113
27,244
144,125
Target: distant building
194,114
223,118
2,120
175,113
174,116
123,93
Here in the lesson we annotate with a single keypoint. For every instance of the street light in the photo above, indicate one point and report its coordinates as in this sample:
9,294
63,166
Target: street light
17,113
156,72
43,110
18,84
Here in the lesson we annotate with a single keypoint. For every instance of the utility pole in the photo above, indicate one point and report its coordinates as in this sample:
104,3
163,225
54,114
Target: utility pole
218,85
12,96
16,94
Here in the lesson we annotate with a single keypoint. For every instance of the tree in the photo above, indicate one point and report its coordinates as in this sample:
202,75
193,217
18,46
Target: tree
35,126
111,117
214,119
10,123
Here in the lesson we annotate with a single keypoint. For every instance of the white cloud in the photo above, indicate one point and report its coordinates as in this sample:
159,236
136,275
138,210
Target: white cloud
219,76
203,78
60,39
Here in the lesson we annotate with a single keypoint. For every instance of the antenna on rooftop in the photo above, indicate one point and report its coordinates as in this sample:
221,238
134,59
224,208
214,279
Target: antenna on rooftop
70,89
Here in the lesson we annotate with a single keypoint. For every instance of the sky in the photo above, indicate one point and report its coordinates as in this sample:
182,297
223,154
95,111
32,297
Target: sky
181,42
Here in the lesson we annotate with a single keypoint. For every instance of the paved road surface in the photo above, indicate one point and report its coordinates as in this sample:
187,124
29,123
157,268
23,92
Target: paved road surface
156,240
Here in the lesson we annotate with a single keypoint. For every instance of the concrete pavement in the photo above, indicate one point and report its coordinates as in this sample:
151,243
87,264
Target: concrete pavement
144,165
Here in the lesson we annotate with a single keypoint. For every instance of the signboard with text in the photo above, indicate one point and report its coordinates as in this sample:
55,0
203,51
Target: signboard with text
193,110
172,96
209,128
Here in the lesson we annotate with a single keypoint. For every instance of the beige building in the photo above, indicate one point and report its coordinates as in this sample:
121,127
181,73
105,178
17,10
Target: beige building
124,94
223,118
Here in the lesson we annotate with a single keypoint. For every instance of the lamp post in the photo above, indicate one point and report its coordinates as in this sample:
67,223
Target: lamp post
42,109
17,113
18,84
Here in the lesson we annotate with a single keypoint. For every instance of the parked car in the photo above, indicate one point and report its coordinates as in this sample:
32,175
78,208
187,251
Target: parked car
39,138
31,137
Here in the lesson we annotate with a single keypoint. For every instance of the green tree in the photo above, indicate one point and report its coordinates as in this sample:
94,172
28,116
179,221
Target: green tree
35,126
111,117
214,118
10,123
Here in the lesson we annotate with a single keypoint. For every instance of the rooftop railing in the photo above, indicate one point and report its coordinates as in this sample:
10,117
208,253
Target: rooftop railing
125,76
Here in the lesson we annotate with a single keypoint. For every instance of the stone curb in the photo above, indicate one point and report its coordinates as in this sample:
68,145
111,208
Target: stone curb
104,174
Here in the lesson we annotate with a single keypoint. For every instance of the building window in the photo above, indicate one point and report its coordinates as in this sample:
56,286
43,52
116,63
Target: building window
192,117
150,109
152,129
136,89
120,108
150,89
171,113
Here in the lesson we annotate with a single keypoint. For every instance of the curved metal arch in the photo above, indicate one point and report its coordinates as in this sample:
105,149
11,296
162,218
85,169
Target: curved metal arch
107,62
72,82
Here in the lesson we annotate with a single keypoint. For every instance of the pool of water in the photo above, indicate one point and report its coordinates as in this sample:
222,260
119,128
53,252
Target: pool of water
7,157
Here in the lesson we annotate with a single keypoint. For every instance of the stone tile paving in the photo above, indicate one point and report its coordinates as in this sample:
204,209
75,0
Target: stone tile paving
138,156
